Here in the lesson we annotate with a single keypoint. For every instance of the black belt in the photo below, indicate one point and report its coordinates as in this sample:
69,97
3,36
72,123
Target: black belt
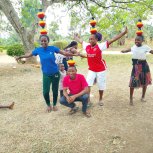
138,61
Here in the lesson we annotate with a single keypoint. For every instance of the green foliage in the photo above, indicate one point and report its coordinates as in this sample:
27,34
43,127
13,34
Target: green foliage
60,44
13,39
53,28
29,11
15,50
111,16
3,48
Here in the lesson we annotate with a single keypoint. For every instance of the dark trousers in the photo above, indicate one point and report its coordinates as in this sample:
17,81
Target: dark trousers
61,93
65,64
83,99
47,81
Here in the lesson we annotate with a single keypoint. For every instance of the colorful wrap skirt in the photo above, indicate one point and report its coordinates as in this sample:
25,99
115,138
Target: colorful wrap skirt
140,75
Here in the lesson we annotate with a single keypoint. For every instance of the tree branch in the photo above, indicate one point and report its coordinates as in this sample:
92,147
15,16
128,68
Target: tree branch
123,2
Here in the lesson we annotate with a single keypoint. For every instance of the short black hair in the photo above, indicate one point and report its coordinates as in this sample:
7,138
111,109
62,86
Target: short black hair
98,36
73,43
140,37
44,36
72,67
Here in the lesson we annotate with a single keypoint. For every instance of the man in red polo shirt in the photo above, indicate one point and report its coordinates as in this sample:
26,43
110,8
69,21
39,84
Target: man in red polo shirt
75,88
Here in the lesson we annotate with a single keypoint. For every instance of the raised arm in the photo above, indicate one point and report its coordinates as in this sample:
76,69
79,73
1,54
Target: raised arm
118,36
151,52
82,55
77,38
68,53
126,50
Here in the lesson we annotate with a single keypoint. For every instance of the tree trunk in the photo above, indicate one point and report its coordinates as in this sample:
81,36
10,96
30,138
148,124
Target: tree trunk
27,36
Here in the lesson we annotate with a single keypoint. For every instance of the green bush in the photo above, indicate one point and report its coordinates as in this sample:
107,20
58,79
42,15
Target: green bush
15,50
60,44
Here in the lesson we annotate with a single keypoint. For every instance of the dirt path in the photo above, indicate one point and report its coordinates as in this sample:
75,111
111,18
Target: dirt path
5,59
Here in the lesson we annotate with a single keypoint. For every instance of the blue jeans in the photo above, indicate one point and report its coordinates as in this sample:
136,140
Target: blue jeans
83,99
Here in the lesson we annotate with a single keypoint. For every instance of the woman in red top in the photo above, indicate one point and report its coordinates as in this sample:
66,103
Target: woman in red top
97,66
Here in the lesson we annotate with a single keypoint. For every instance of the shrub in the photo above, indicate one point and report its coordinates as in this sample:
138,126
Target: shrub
15,50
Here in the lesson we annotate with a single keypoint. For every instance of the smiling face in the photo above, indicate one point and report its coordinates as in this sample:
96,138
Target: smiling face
44,41
72,72
138,41
61,67
92,40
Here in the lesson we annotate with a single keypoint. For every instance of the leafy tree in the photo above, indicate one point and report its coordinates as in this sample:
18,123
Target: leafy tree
53,31
102,8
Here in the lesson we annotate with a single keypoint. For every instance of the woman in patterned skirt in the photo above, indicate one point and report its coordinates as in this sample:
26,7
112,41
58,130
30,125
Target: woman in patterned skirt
140,75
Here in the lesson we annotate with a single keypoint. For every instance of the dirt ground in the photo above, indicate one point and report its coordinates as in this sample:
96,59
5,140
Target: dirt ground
114,128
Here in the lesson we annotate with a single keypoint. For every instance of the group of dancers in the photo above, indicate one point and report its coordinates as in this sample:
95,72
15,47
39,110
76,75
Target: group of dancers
73,86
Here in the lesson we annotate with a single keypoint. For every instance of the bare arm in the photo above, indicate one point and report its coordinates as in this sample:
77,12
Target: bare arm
84,91
65,92
68,53
77,38
151,52
83,56
24,56
118,36
71,99
126,51
66,95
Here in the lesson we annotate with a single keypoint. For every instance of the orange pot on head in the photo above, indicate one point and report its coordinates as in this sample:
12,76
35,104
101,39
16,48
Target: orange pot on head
42,23
139,32
41,15
71,62
93,23
139,24
93,30
43,32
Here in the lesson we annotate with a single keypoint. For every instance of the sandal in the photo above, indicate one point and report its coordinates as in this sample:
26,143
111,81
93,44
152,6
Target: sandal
49,109
55,108
11,106
143,100
73,110
87,114
101,103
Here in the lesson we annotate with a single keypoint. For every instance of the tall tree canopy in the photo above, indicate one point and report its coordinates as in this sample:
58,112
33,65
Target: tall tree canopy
112,14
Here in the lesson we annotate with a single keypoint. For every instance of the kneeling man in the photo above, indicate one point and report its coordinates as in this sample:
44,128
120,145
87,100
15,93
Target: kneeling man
75,88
